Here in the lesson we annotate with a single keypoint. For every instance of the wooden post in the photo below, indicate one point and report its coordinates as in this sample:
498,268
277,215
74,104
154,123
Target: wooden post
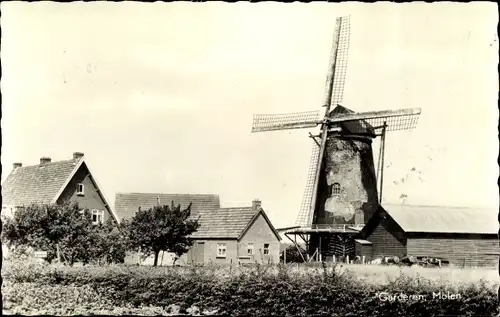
333,258
382,144
319,250
363,260
347,259
284,256
58,254
139,256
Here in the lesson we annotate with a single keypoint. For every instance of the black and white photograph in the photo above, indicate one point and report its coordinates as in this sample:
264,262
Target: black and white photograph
250,158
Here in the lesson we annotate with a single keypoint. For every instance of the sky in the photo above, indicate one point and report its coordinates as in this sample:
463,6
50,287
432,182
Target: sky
160,96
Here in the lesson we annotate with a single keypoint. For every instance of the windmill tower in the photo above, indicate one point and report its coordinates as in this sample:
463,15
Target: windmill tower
343,188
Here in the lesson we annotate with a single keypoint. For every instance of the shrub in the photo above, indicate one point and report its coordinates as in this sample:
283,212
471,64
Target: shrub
327,290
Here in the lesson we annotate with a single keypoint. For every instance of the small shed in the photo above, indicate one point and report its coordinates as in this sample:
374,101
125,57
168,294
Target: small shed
461,236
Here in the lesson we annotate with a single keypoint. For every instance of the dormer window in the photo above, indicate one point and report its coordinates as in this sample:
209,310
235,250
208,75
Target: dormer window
336,189
79,189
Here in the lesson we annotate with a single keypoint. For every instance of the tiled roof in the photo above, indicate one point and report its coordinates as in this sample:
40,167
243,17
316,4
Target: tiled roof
127,204
444,219
36,184
224,222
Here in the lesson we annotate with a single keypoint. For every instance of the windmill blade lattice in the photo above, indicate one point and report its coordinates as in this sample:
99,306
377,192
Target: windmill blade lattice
403,122
304,217
341,61
282,121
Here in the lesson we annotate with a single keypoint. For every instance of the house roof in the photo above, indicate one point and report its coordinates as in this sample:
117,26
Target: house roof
215,222
37,184
229,223
42,184
224,222
436,219
127,204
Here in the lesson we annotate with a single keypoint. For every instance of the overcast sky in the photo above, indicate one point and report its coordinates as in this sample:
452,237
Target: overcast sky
160,96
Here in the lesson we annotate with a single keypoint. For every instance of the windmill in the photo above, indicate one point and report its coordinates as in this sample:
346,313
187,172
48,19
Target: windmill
341,192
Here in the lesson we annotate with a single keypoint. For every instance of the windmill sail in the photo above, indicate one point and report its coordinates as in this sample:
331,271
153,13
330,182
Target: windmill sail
305,216
341,60
282,121
310,119
403,119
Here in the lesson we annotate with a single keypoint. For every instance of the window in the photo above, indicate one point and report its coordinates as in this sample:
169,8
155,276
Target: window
97,216
221,250
250,249
266,248
335,189
79,189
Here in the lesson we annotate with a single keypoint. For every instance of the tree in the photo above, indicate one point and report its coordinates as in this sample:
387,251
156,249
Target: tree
161,228
109,243
293,255
64,231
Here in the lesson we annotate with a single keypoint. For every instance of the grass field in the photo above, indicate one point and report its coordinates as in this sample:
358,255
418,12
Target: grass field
381,274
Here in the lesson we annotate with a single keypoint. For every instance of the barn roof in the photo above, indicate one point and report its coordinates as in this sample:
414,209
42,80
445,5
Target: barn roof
436,219
127,204
36,183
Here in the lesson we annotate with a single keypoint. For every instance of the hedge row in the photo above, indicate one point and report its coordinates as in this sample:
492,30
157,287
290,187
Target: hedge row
256,292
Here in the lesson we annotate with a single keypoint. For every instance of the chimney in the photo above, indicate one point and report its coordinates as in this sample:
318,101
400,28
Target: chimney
44,160
256,204
17,165
77,155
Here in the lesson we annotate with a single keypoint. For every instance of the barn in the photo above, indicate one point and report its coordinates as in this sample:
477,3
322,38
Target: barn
459,236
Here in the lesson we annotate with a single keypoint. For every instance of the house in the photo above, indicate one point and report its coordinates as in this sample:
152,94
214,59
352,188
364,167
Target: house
460,236
234,235
55,183
225,235
127,204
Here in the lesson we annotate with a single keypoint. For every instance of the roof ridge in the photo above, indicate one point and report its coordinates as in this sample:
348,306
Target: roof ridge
48,163
149,193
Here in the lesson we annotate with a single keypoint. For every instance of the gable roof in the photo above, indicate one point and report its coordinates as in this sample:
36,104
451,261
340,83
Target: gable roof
127,204
229,223
44,184
436,219
37,184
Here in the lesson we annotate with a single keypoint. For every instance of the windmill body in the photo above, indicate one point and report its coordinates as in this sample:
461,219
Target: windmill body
343,188
347,194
